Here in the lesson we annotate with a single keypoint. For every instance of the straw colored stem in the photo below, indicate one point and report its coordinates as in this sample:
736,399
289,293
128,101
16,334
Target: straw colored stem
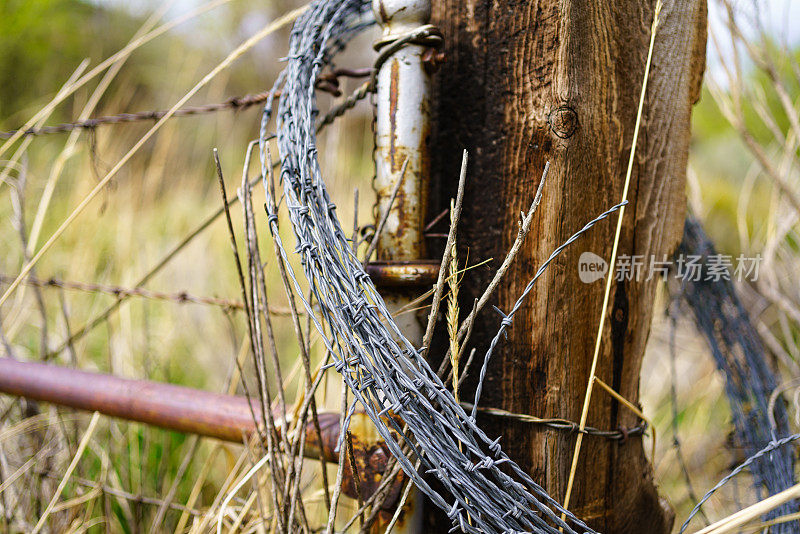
612,261
75,459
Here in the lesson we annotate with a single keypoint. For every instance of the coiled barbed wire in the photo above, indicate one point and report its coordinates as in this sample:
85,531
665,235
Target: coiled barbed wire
385,372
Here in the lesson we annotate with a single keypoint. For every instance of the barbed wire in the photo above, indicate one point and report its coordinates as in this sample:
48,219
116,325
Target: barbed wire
507,319
154,115
181,297
771,446
328,83
484,491
566,425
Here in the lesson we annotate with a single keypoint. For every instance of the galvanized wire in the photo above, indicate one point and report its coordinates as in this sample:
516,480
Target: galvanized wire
508,318
483,490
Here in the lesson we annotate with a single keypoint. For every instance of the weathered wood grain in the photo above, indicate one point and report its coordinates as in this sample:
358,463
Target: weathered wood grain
526,82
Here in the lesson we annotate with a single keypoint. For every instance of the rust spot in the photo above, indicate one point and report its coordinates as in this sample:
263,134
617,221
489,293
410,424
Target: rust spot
369,451
384,14
406,513
394,83
371,458
403,242
432,59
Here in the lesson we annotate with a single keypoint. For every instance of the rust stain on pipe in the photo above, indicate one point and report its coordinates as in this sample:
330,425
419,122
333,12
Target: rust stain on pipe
225,417
404,273
393,89
183,409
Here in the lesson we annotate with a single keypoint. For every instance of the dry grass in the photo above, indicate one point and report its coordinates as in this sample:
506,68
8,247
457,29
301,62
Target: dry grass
131,477
71,474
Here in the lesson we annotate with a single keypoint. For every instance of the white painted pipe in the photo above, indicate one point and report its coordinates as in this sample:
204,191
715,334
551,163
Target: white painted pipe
402,129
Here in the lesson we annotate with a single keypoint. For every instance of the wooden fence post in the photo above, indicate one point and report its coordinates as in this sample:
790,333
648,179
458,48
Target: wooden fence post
559,81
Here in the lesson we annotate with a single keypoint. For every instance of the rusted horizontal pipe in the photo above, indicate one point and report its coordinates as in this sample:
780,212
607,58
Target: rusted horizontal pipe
194,411
225,417
418,273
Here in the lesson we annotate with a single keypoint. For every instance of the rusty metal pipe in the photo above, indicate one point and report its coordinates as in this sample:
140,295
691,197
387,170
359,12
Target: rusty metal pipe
404,274
224,417
194,411
402,128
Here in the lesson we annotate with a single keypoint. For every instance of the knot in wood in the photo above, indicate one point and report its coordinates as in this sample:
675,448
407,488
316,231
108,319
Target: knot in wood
563,121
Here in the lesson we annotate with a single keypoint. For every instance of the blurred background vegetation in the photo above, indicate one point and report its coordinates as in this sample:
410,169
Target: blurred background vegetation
165,192
169,188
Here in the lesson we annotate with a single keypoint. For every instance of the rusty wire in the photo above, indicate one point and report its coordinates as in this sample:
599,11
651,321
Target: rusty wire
141,116
565,425
180,297
328,82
